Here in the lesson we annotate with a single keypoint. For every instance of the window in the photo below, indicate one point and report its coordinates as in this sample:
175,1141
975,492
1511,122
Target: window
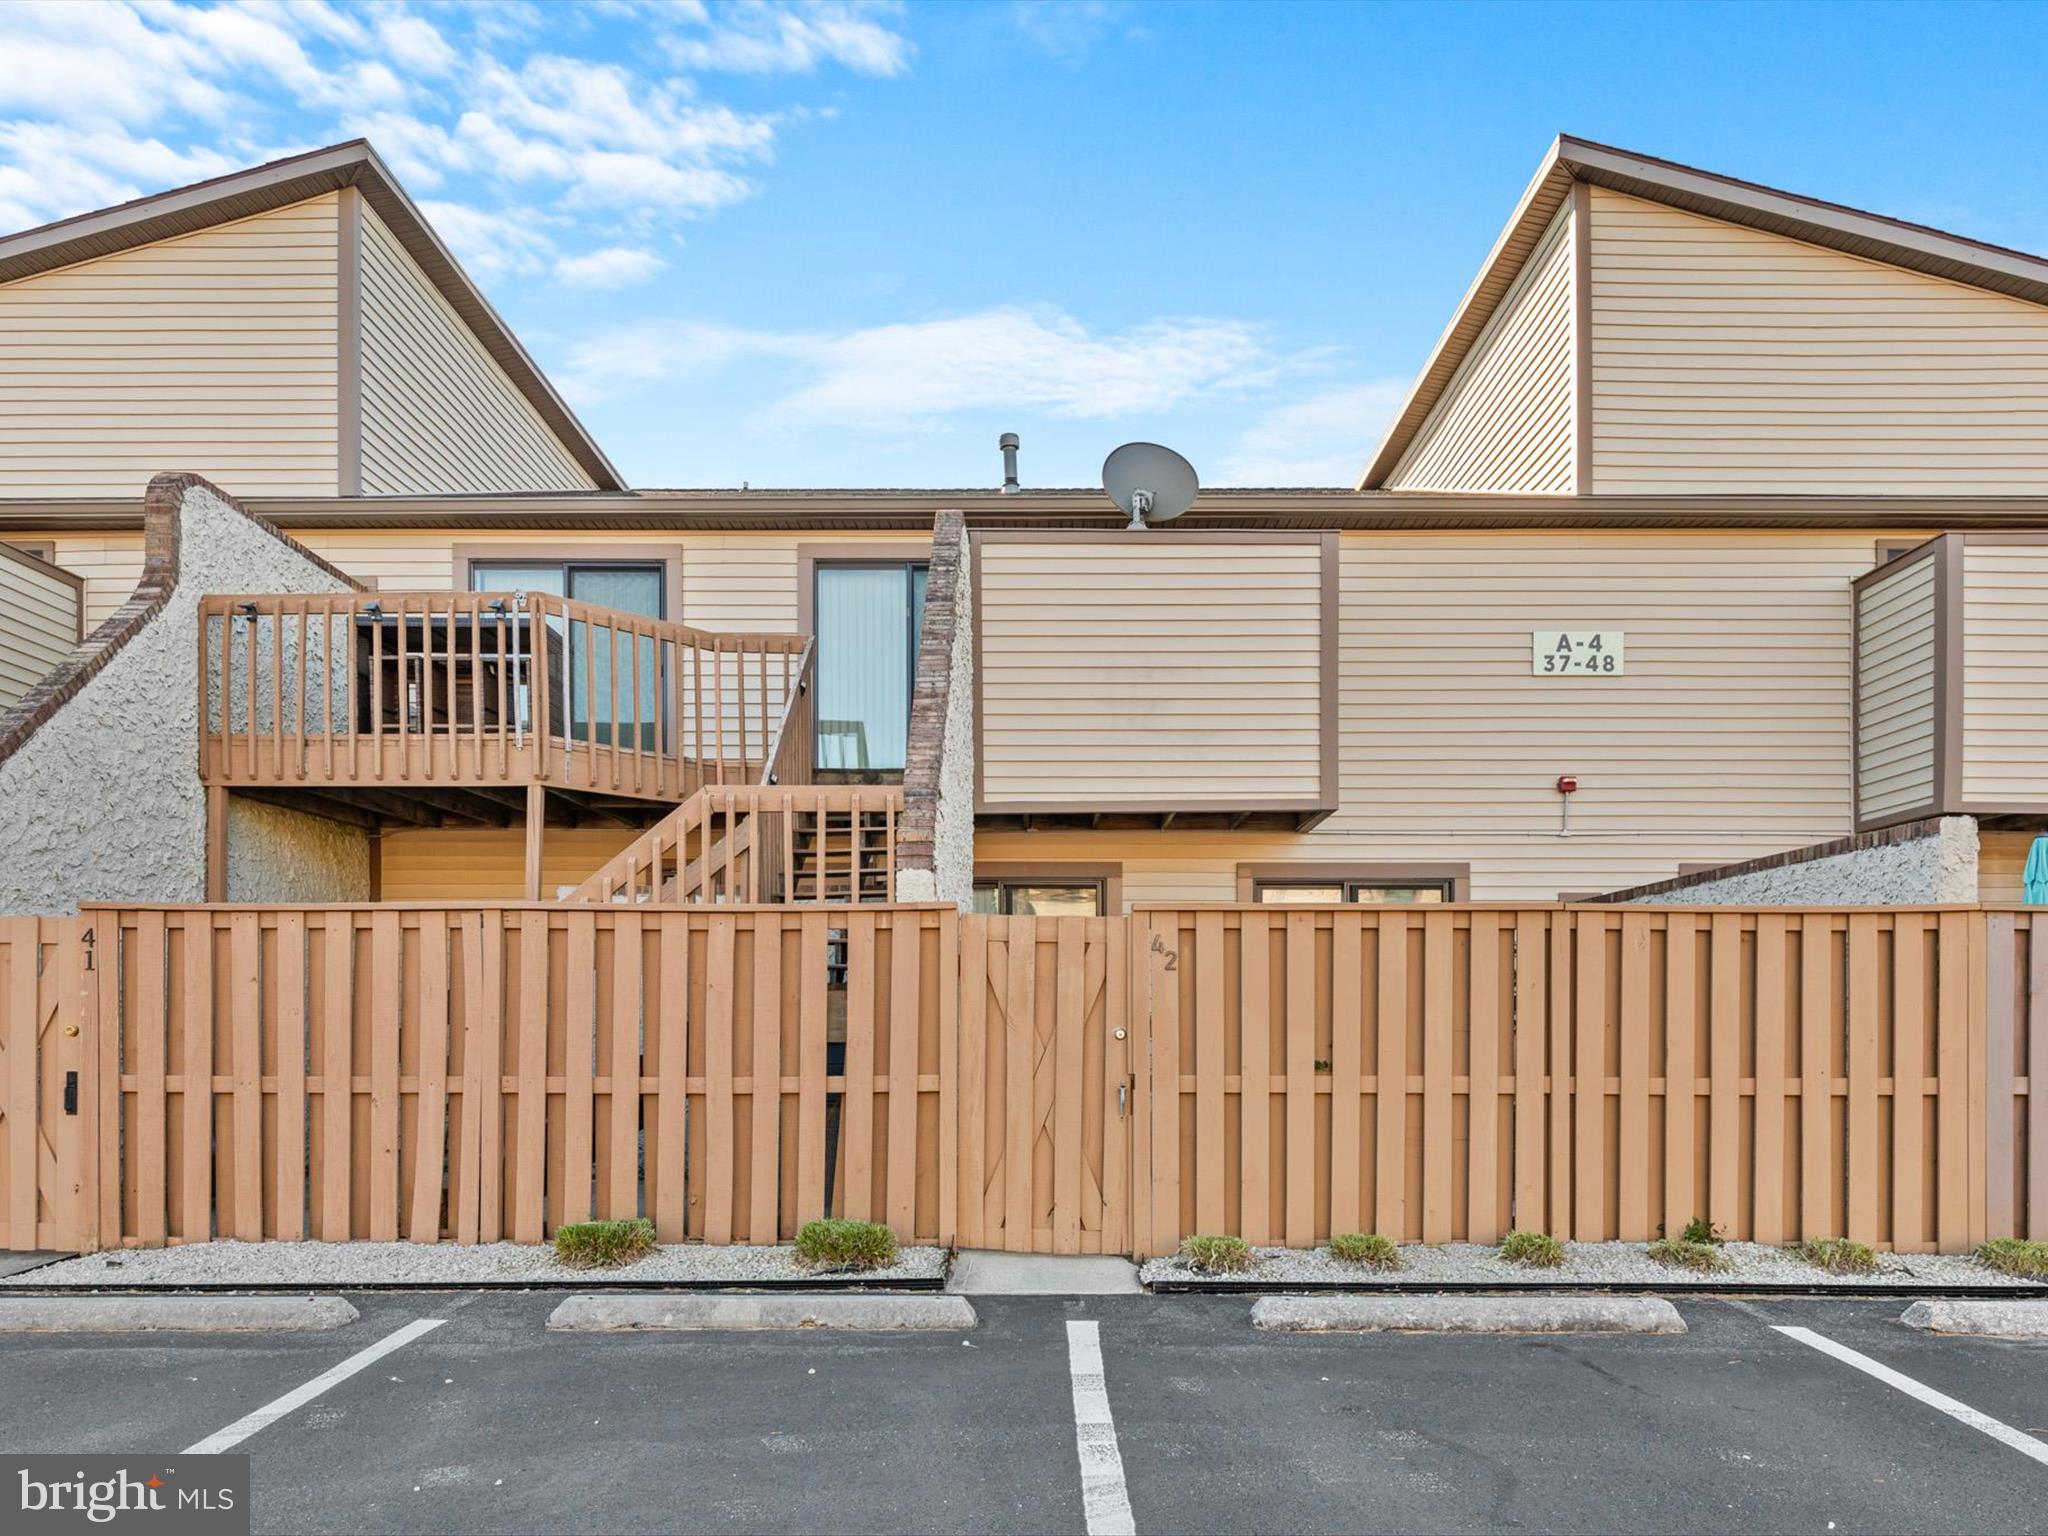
1376,884
867,616
1039,898
1375,893
1889,550
629,588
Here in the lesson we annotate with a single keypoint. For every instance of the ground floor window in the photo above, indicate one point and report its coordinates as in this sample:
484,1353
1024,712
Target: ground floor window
1377,893
1385,885
1039,898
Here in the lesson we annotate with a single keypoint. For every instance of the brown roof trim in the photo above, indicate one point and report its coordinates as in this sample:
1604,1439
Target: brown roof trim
827,512
1871,236
244,194
163,505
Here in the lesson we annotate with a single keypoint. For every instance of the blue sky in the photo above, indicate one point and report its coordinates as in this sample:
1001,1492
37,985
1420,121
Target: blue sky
849,244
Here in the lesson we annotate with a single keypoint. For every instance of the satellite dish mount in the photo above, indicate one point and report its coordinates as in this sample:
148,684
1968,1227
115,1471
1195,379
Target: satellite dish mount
1152,484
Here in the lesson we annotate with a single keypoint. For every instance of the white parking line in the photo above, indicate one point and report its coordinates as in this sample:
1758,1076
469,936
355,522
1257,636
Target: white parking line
298,1397
1962,1413
1105,1501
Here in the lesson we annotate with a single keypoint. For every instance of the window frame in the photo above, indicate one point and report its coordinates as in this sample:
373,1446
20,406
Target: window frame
1454,879
473,560
668,557
1108,879
812,561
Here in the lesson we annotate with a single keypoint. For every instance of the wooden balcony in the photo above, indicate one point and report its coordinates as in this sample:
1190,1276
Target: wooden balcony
439,708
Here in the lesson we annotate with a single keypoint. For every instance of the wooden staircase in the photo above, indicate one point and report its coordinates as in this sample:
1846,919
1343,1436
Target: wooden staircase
782,840
813,842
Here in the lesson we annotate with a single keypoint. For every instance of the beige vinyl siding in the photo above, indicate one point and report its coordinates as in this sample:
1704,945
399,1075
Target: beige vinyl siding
737,583
1143,669
216,352
109,563
1507,421
439,414
1727,738
1728,359
1896,732
2002,865
489,863
38,623
2005,674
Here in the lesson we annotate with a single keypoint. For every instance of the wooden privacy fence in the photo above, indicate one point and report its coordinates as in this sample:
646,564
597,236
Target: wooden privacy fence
477,1074
1606,1072
1054,1085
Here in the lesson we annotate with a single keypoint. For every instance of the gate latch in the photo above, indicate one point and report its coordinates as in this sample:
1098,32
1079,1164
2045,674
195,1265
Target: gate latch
1122,1097
70,1093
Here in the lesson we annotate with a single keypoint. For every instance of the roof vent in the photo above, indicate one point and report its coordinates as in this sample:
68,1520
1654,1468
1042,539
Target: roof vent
1008,443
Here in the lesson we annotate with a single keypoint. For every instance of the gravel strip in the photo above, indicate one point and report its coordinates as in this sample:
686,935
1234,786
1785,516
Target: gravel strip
448,1264
1587,1264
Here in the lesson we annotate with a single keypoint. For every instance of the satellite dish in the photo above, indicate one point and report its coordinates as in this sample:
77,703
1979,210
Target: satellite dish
1152,484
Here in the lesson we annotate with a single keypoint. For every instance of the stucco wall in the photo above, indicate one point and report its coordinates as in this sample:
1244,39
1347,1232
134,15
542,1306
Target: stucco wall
102,801
1940,867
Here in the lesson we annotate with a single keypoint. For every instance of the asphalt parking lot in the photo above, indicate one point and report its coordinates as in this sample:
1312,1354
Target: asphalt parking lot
488,1423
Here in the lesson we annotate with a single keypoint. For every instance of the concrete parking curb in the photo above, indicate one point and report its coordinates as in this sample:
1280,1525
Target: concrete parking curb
616,1314
1467,1314
173,1314
1985,1319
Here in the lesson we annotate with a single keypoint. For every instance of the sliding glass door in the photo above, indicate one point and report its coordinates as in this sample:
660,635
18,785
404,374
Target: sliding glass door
588,649
868,618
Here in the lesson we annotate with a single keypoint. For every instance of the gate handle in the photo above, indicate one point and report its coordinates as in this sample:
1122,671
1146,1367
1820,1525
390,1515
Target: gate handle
1122,1094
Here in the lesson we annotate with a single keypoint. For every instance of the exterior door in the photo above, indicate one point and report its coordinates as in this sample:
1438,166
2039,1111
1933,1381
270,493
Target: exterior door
1047,1098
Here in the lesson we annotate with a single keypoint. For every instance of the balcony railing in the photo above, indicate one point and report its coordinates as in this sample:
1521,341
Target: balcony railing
473,690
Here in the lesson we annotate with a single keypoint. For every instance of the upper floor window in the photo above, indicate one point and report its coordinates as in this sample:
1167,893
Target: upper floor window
868,616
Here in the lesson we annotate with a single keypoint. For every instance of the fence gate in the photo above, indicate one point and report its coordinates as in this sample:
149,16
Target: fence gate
46,1107
1047,1097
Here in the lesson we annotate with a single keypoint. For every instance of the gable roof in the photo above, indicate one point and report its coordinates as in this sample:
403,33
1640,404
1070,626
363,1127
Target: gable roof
1871,236
244,194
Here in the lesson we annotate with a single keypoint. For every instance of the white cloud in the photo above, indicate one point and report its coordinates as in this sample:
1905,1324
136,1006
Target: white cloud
416,45
616,266
762,39
897,377
1324,439
1068,30
488,242
485,106
53,170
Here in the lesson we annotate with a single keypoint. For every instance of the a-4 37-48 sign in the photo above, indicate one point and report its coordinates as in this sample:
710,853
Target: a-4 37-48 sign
1577,652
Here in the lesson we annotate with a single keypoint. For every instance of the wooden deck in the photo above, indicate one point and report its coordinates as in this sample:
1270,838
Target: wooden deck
420,708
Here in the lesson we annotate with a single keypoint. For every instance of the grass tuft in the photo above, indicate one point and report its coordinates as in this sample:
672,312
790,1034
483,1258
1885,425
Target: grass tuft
2016,1256
1217,1255
1688,1253
1538,1250
1836,1255
1367,1248
1700,1230
604,1244
838,1244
